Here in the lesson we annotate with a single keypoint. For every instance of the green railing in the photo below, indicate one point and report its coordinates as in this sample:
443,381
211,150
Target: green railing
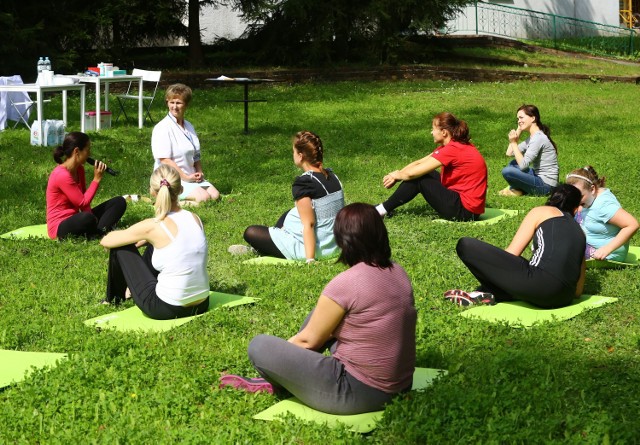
544,29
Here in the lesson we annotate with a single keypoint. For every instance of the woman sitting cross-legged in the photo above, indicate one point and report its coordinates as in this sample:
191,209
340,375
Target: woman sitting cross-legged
69,211
304,232
170,280
534,169
365,317
459,191
607,226
174,142
554,275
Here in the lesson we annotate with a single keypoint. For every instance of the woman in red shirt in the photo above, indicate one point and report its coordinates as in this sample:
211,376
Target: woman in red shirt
69,211
459,191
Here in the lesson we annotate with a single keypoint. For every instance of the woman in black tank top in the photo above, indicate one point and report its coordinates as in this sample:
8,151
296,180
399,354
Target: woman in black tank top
554,275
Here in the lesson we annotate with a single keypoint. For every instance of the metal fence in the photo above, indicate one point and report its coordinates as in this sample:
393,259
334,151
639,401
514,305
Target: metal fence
543,28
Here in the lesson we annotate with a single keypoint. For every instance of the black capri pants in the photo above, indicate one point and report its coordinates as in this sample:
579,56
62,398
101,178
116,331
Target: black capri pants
509,277
445,202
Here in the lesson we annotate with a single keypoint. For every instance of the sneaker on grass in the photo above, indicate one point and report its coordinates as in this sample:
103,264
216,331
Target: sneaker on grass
462,298
245,383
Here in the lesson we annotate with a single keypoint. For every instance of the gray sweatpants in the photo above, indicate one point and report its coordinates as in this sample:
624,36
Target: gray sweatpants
319,381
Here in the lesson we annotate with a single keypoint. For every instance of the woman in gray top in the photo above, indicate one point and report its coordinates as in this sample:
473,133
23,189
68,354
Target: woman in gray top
534,169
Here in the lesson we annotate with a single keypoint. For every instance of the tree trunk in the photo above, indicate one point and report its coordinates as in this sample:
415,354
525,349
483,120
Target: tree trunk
196,56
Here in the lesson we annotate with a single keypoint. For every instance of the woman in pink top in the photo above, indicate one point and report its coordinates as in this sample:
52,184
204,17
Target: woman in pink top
365,317
69,211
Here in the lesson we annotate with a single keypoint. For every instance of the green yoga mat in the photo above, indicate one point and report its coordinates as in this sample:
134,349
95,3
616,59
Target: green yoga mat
360,423
490,216
132,319
632,260
521,314
16,365
37,231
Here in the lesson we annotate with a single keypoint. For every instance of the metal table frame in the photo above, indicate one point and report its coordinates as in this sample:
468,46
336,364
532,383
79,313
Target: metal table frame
98,80
40,91
245,82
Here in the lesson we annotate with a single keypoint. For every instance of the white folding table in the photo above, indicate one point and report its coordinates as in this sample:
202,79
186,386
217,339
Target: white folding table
104,80
40,91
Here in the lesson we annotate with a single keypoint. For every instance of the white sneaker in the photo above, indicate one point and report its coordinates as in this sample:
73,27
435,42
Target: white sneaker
240,249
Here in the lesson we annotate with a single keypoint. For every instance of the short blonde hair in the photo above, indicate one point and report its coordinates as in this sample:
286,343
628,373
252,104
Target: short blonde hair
178,90
165,184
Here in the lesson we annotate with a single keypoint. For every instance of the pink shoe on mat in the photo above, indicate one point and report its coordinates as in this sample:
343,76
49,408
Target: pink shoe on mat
248,384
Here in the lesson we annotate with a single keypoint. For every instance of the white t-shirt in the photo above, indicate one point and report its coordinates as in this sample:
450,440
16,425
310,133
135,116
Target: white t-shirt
171,141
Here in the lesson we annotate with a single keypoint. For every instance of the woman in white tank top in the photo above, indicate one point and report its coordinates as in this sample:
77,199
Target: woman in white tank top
170,279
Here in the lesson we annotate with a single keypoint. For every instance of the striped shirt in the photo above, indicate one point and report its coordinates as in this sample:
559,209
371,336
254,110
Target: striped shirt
376,339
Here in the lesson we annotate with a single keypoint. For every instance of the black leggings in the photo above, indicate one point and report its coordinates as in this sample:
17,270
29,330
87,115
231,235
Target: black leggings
509,277
259,238
127,268
444,201
94,224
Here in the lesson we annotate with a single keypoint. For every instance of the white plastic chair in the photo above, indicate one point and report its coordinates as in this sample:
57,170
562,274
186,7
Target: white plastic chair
150,81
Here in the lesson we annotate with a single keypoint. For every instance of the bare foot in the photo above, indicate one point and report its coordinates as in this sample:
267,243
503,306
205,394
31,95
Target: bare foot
510,192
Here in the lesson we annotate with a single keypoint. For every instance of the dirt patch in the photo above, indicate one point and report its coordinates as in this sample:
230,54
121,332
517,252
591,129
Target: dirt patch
409,72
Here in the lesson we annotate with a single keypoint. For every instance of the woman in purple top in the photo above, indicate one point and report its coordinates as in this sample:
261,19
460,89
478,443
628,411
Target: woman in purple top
365,317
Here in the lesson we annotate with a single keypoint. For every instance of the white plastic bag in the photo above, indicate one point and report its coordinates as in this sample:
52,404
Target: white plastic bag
35,132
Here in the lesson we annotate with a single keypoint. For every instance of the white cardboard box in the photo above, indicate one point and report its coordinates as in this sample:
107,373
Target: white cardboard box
90,120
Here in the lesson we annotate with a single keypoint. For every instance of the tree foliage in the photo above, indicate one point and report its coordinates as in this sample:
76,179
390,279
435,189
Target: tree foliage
337,30
77,32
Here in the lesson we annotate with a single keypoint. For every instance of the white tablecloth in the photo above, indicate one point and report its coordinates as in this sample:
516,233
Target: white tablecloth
7,112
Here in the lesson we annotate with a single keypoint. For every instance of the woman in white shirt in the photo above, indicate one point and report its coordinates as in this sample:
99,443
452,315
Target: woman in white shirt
174,142
170,280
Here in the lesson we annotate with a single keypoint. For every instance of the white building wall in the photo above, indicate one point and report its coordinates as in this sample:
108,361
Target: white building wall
217,23
600,11
225,23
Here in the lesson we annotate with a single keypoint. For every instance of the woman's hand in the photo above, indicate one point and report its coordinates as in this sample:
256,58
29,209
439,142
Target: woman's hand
600,254
195,177
512,149
628,227
411,171
390,179
514,135
98,170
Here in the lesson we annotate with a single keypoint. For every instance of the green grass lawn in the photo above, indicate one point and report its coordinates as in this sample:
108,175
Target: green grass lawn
570,382
543,61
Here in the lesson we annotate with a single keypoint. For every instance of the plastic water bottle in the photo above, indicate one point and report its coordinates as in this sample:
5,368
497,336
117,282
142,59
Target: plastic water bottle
40,65
47,64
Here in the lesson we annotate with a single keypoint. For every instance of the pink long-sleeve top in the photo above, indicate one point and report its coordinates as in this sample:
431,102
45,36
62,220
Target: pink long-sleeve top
66,197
